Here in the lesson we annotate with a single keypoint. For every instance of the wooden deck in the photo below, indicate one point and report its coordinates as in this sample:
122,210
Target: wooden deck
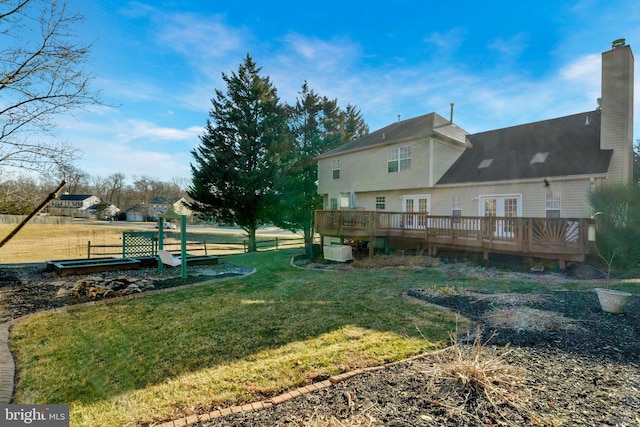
563,239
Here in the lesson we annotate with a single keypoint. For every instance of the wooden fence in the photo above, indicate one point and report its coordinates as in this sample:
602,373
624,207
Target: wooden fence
38,219
199,248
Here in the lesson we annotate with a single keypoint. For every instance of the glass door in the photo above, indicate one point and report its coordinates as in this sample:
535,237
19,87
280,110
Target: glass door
504,208
418,204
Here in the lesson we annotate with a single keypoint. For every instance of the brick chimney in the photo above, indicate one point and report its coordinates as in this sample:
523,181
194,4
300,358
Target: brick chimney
617,110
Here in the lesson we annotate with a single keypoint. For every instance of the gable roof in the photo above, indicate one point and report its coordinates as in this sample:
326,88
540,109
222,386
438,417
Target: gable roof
563,146
403,131
160,200
75,197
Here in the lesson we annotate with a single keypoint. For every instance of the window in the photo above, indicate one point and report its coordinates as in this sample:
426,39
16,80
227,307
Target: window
333,204
380,202
335,165
399,159
553,205
456,206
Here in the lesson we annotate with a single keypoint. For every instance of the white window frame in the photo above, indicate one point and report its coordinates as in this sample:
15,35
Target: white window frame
399,159
335,168
381,203
553,203
333,204
456,206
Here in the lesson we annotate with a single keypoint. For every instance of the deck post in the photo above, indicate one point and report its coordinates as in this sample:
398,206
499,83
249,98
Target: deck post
453,237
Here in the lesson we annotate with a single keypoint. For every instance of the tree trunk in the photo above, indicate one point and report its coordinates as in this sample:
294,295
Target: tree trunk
308,243
251,231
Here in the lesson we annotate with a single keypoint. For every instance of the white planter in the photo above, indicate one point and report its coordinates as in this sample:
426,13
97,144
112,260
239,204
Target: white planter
612,301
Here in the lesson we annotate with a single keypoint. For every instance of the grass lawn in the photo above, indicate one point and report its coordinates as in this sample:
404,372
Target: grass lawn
223,343
42,242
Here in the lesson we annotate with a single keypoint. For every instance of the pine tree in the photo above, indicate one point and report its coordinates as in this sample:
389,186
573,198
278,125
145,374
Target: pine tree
317,125
237,160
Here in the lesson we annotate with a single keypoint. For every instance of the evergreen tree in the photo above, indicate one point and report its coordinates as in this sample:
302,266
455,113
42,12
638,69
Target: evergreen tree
237,161
317,125
617,215
354,126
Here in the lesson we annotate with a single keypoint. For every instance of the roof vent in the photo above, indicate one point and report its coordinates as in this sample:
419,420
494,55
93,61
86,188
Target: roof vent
587,122
485,163
539,158
383,135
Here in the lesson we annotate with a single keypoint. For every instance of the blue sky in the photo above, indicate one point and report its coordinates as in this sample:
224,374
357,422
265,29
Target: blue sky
502,63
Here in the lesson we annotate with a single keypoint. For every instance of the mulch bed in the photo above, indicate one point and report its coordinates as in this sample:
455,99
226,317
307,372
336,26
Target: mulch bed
29,288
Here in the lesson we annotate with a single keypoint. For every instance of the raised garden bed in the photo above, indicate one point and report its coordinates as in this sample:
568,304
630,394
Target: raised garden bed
91,265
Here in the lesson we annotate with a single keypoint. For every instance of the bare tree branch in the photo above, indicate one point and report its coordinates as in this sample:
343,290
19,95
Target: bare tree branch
42,76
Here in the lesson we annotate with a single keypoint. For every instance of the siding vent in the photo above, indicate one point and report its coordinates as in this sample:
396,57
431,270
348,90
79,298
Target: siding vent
485,163
539,158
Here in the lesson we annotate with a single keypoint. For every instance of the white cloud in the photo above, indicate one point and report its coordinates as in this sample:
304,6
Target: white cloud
449,41
513,46
200,37
142,129
586,69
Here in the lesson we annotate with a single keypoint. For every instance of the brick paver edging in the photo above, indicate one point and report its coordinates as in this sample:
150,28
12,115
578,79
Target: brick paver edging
7,364
277,400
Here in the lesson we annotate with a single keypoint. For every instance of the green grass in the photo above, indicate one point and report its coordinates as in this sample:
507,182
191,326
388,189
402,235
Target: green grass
223,343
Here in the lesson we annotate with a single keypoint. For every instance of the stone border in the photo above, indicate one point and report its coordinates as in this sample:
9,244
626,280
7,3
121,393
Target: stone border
282,398
7,363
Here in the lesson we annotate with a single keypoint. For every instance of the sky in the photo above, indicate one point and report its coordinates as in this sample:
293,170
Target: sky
158,63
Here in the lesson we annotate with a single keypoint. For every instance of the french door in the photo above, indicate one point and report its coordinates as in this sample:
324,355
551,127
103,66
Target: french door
503,207
418,204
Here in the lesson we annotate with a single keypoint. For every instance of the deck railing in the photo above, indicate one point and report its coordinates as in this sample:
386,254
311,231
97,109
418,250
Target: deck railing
556,237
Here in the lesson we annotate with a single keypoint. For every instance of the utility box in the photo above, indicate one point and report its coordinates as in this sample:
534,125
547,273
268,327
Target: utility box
340,253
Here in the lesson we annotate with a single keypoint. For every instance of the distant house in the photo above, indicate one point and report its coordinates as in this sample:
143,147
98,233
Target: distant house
103,210
161,205
157,207
74,205
136,213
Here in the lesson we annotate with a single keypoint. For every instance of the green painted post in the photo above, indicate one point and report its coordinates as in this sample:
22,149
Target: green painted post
160,241
183,242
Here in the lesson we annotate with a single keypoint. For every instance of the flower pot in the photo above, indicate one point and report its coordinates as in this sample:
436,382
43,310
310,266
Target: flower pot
612,301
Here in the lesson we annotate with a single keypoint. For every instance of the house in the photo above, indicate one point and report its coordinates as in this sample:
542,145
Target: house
161,205
546,169
103,210
74,205
136,213
157,207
